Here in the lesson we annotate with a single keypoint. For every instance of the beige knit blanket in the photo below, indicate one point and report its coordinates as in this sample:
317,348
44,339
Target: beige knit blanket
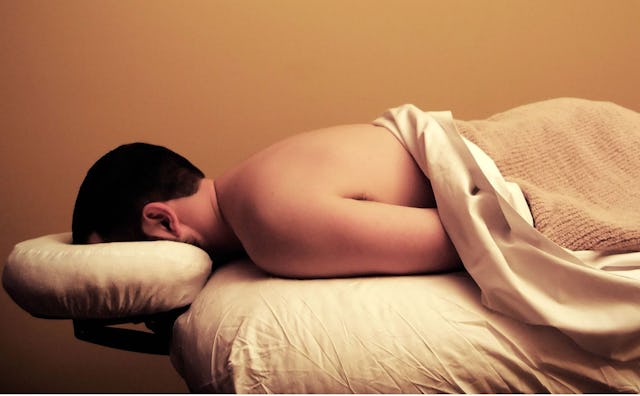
578,164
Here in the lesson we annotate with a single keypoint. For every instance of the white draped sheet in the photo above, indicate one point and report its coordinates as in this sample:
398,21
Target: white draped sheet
593,298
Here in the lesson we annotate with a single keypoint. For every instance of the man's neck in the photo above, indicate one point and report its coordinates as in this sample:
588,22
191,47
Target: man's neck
225,243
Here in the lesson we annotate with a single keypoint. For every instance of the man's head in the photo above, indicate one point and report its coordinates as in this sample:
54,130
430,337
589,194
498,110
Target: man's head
119,185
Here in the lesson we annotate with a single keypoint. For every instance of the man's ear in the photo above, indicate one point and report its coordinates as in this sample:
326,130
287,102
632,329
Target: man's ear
160,220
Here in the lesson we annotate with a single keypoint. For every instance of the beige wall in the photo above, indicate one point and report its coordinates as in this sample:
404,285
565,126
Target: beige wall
216,80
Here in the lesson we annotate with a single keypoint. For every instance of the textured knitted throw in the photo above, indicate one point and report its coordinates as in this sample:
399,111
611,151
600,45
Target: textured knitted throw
578,164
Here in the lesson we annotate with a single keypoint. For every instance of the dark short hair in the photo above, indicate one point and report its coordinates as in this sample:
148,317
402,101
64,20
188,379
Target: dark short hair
119,185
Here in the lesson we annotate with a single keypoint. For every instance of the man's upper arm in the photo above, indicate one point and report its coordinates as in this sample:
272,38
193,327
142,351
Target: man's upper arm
334,236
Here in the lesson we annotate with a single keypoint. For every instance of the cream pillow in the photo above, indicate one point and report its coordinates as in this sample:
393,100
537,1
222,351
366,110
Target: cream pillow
50,277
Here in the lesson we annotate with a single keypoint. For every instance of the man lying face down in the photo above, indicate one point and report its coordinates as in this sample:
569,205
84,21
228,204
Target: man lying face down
342,201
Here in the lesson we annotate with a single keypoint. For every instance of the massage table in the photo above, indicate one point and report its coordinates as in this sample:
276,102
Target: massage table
526,315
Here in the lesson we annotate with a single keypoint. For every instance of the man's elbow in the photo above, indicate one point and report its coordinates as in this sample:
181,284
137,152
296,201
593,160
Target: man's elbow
291,263
271,257
280,266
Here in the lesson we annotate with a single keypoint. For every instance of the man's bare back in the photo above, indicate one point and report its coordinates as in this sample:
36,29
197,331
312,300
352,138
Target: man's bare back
342,201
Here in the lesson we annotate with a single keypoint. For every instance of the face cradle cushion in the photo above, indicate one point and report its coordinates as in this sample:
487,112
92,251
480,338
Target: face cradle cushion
50,277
